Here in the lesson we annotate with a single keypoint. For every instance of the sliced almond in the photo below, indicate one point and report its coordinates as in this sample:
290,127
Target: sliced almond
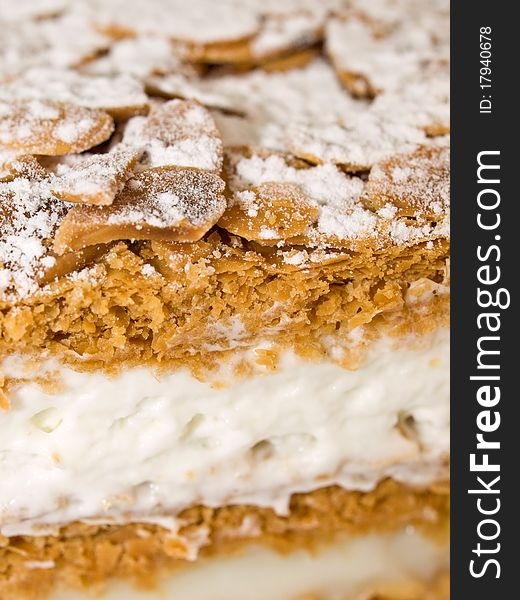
157,204
293,60
375,55
222,52
275,198
178,133
281,33
71,262
96,180
273,211
51,128
415,185
25,165
198,24
122,96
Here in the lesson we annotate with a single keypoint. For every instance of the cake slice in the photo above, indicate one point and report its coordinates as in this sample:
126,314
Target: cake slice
224,301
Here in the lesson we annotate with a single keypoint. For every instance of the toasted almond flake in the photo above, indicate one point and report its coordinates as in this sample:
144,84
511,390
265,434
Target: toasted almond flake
24,165
71,262
157,204
372,56
177,133
415,184
120,95
51,128
390,141
270,211
97,179
197,22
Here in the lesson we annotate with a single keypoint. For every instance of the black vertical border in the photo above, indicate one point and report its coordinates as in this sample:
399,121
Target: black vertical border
472,133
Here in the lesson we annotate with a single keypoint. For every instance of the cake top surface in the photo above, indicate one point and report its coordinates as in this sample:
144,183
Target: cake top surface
291,124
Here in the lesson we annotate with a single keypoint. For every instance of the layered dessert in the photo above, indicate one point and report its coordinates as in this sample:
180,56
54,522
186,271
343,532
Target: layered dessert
224,299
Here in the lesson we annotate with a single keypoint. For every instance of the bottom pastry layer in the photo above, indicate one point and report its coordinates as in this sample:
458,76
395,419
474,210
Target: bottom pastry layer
332,544
398,566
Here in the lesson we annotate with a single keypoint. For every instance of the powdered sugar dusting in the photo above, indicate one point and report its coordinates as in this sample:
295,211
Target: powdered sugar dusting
165,198
376,49
95,180
141,57
164,210
65,85
345,202
206,22
51,128
306,112
62,42
28,218
180,133
21,10
164,204
348,149
416,183
335,193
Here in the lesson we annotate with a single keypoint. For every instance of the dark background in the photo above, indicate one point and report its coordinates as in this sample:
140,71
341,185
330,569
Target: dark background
472,133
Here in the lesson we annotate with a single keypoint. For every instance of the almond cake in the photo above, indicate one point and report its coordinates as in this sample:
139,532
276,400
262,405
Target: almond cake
224,299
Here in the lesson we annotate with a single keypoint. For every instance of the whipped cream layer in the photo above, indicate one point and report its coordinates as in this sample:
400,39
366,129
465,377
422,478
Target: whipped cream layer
138,447
352,568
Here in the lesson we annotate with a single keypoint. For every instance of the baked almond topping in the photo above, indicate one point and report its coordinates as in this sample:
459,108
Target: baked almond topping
177,133
271,211
97,179
343,146
230,31
120,95
25,165
51,128
416,184
383,52
162,203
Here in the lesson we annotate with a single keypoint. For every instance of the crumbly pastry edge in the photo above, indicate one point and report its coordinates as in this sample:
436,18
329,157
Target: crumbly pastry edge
88,556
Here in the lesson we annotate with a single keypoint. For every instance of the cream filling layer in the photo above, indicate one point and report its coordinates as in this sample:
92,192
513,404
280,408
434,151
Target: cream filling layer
352,569
135,446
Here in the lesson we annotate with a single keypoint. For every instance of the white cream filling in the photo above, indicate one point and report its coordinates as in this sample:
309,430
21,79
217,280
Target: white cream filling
353,568
132,446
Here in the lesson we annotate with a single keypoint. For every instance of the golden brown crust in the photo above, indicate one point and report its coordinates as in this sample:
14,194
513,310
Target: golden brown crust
329,200
166,302
51,128
137,213
88,555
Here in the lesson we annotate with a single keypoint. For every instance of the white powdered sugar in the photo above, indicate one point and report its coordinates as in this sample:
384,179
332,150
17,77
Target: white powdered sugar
388,53
305,111
273,103
141,57
207,22
340,197
28,218
337,194
164,199
165,211
198,21
22,10
180,133
283,31
94,179
350,163
65,85
62,42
